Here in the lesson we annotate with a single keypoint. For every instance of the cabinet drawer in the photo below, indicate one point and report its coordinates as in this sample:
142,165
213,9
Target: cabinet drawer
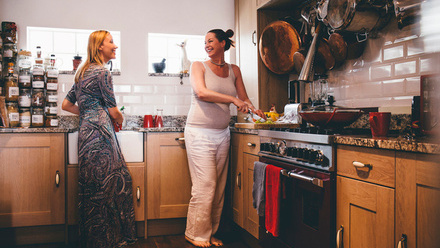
379,164
251,144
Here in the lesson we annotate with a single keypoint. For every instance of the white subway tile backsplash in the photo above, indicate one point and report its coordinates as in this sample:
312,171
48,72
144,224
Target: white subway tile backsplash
132,99
147,89
429,64
153,99
393,87
413,86
395,52
381,72
405,68
121,88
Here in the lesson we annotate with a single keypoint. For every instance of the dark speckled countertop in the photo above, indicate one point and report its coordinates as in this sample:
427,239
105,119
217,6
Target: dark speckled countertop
422,145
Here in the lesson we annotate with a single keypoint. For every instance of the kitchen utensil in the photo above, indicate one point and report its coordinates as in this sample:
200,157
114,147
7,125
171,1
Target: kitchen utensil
330,117
278,42
380,123
338,48
407,12
159,67
324,59
355,15
148,121
306,74
255,117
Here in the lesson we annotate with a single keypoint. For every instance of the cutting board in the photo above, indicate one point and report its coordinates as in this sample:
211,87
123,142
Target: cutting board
265,126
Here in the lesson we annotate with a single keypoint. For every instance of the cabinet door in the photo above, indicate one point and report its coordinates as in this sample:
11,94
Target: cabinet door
366,212
237,178
251,218
168,178
247,46
32,181
418,199
137,175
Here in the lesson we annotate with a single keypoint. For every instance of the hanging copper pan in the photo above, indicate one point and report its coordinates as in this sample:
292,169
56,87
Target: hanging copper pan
278,43
323,61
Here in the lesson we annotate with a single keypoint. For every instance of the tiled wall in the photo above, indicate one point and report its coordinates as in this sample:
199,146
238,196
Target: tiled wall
143,98
388,72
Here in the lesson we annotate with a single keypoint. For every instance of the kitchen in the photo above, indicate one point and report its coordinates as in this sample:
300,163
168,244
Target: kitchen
389,87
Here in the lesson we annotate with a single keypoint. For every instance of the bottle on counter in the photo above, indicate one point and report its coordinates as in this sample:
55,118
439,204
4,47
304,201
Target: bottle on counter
158,120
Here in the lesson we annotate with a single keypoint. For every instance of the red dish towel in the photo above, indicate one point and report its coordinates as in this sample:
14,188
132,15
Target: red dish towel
273,199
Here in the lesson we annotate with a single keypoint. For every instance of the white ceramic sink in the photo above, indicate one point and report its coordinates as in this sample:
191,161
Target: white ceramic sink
131,143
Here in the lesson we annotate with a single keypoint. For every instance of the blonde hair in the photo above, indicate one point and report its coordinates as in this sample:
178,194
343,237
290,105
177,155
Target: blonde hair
93,55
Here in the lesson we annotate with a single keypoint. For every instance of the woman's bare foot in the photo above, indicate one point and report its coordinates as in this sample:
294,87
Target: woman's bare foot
198,243
216,241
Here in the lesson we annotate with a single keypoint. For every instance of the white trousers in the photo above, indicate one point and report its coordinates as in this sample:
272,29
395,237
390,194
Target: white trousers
208,156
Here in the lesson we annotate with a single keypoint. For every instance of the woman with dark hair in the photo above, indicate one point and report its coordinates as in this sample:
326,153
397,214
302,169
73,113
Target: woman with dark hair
215,85
106,213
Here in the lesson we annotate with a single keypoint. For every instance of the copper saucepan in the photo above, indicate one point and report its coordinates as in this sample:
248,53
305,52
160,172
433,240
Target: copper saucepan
323,61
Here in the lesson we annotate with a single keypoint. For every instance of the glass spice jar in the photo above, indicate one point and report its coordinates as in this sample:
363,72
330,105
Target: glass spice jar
11,89
24,99
51,96
51,121
38,81
13,114
9,50
37,117
51,108
24,79
25,117
52,84
38,98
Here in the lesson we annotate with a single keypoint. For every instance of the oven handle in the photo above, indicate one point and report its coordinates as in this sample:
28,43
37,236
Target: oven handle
316,181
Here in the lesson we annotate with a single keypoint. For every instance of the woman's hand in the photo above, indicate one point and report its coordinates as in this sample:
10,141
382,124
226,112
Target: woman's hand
259,112
241,105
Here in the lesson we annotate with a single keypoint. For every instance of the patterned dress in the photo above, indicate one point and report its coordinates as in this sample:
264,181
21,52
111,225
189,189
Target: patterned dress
106,213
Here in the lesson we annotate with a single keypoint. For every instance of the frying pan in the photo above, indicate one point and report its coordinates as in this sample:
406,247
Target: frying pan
278,43
338,118
324,59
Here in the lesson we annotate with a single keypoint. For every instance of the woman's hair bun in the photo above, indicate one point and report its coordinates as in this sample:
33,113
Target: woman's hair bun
229,33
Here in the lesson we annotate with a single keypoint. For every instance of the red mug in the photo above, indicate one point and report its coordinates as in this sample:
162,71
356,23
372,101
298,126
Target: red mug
148,121
380,123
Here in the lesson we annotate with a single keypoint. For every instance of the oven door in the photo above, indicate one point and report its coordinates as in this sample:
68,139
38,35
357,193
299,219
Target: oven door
308,209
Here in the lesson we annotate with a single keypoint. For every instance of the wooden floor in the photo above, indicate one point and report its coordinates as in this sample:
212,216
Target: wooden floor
178,241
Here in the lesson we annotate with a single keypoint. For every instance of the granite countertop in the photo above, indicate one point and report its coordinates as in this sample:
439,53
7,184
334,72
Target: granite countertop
422,145
36,130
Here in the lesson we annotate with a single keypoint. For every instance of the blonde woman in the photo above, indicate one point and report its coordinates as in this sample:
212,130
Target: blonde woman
106,214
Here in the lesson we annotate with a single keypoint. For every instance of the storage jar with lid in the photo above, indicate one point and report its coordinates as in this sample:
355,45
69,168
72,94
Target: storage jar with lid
25,117
11,89
24,60
24,99
51,121
38,98
24,78
37,117
38,78
52,84
9,51
51,96
51,108
13,114
52,72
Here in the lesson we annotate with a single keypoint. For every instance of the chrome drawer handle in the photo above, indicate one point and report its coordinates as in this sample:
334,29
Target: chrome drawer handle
251,144
57,178
402,241
339,236
138,193
362,165
316,181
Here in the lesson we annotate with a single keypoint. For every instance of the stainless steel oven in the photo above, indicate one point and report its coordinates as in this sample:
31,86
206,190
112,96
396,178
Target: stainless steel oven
308,205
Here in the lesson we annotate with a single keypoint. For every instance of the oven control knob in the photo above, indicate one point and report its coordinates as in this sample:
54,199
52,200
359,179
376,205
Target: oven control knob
307,153
319,157
265,147
272,147
301,152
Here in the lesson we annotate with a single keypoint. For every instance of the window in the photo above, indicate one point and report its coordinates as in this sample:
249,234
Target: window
66,43
165,46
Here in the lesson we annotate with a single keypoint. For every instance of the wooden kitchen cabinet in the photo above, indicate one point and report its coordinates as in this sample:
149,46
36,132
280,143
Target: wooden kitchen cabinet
247,45
418,199
365,197
244,152
32,179
137,175
168,178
